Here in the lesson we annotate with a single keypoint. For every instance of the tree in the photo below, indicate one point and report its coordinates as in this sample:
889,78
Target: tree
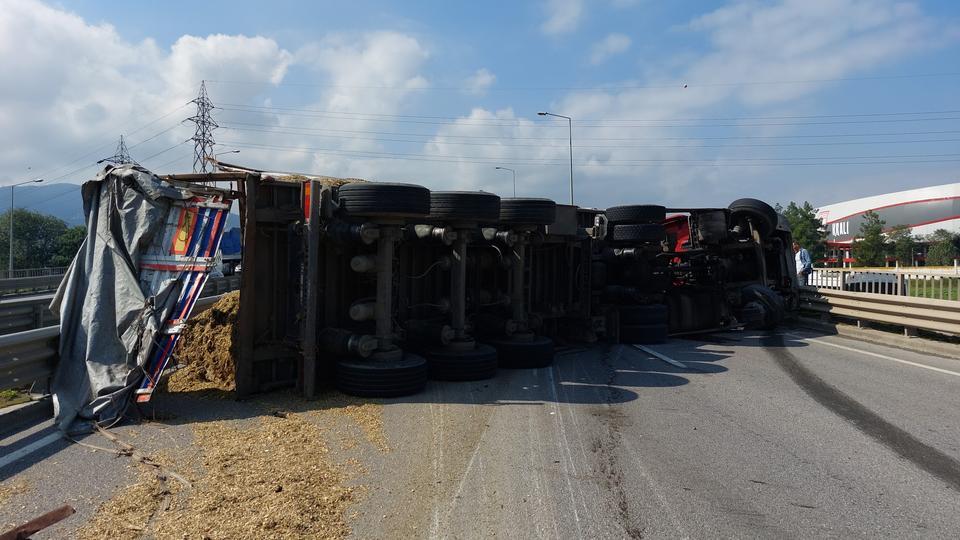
35,238
869,248
901,244
806,227
943,248
67,245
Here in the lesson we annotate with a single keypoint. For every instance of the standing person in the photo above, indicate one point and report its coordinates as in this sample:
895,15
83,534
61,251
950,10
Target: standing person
804,263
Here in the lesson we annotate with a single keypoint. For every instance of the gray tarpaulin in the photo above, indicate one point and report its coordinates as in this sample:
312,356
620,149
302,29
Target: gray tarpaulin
106,321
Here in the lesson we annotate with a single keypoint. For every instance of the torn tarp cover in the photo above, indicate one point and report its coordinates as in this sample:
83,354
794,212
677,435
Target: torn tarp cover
110,315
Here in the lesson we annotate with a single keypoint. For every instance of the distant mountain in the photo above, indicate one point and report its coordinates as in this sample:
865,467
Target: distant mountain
63,201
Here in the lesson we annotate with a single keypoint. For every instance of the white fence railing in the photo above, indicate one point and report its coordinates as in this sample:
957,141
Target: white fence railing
939,284
33,272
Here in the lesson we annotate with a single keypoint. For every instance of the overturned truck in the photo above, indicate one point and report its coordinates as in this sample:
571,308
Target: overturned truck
376,287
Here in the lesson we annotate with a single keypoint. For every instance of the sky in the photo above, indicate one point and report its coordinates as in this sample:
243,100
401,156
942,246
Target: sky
676,103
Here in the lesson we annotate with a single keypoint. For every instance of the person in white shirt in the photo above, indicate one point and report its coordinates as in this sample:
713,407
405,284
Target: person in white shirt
804,263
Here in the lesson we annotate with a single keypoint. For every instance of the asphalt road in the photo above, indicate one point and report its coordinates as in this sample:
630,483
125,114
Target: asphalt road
785,435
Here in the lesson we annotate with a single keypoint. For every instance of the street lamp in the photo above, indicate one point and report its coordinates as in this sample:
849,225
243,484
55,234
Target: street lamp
570,127
10,258
214,157
514,178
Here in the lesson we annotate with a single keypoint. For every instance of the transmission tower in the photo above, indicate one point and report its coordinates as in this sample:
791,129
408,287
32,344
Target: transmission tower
203,136
121,156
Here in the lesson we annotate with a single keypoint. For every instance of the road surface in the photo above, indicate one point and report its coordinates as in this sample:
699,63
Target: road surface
785,435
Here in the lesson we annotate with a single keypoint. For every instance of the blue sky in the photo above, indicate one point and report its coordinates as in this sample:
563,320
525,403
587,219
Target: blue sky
816,100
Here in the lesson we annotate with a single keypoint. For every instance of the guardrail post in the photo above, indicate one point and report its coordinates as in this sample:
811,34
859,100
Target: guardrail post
843,281
900,291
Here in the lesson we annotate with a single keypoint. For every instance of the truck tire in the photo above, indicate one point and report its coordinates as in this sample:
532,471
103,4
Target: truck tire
647,233
636,213
761,214
643,334
644,314
468,365
369,199
528,211
520,354
382,378
475,206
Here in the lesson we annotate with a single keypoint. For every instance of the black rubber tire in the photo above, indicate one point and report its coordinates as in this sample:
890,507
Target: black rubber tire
761,214
528,211
378,378
636,213
644,314
476,206
647,233
382,199
771,301
517,354
469,365
643,334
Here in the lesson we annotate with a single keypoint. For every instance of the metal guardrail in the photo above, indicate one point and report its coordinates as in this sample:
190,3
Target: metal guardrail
20,313
21,285
909,312
28,358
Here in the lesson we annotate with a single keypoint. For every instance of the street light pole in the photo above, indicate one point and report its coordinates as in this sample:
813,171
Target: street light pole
10,239
217,163
514,178
570,132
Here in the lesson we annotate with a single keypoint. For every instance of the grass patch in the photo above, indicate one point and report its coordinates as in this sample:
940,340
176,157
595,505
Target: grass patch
13,397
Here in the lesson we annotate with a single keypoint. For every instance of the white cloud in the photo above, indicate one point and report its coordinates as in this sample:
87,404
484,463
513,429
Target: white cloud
78,85
479,82
64,104
747,42
806,40
562,16
609,46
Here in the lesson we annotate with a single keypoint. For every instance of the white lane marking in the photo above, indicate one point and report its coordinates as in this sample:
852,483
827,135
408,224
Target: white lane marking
566,459
665,358
29,449
876,355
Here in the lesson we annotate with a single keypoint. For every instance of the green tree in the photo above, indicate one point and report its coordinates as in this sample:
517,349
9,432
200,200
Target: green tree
943,248
901,244
67,245
869,249
806,227
36,238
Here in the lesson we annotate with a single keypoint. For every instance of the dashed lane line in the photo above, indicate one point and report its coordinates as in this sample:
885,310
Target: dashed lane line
665,358
29,449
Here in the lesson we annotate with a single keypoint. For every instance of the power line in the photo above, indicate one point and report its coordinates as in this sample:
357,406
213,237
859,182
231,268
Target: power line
55,197
582,124
549,161
430,140
635,165
101,148
728,118
671,85
663,138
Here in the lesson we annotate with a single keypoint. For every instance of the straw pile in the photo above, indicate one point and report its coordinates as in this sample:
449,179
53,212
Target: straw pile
274,479
207,349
